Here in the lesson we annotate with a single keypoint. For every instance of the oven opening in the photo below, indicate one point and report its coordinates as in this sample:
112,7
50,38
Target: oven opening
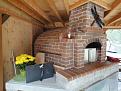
92,52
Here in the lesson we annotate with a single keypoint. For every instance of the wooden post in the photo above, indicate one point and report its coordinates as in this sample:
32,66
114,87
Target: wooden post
1,60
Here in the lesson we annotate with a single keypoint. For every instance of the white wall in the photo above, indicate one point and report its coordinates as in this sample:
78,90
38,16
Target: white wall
114,40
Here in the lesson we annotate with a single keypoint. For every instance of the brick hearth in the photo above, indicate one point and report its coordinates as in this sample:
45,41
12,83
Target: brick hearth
73,73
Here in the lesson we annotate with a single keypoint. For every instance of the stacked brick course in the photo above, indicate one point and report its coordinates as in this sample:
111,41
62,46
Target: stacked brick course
70,52
58,51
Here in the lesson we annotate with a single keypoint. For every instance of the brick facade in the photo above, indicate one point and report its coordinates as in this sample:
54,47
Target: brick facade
70,52
58,51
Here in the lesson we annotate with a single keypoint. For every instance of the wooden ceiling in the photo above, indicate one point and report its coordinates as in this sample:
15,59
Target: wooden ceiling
56,12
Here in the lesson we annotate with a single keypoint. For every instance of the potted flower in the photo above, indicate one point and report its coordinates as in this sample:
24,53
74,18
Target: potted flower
21,62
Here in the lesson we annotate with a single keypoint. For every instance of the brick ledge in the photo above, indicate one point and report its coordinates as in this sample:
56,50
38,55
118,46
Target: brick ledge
74,73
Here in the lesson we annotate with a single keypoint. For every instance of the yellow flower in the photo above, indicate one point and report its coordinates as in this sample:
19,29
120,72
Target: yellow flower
32,59
26,61
19,62
24,58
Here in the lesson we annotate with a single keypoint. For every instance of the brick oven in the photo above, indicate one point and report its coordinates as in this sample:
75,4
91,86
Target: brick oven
71,52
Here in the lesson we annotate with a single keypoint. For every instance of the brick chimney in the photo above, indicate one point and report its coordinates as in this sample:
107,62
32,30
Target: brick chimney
81,17
80,21
70,53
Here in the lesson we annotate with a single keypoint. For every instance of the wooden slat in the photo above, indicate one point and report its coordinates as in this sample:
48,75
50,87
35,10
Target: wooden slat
7,8
112,27
55,25
113,7
117,23
26,8
98,2
77,4
10,12
59,24
54,9
114,19
35,6
102,4
66,3
116,3
1,56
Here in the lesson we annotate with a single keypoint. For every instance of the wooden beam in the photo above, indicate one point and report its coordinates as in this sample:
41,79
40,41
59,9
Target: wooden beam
26,8
106,12
23,17
55,25
59,24
1,56
101,3
112,27
20,5
7,8
66,3
114,5
5,17
98,2
114,19
77,4
35,6
54,9
117,23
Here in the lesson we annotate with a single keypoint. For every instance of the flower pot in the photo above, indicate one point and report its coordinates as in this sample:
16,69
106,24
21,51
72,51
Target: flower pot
21,76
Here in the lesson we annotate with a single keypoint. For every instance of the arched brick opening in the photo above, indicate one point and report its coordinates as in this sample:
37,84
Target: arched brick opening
97,47
80,50
88,41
